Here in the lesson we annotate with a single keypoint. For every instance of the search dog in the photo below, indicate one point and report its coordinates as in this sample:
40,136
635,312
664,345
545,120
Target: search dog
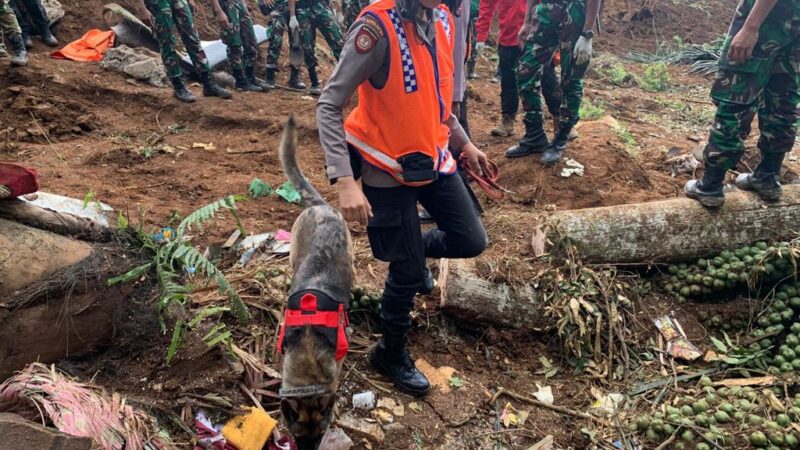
313,340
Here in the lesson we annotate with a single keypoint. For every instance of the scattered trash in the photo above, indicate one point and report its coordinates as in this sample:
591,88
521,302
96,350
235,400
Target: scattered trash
544,394
283,236
605,405
90,47
259,188
281,443
165,235
572,168
677,344
209,436
361,427
336,439
210,146
278,243
94,210
80,409
232,239
249,431
682,164
392,406
545,444
364,400
512,416
288,193
383,416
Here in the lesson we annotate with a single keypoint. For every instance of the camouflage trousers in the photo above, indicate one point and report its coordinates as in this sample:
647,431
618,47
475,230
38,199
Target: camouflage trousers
557,26
8,21
239,37
768,84
318,15
351,9
276,28
170,14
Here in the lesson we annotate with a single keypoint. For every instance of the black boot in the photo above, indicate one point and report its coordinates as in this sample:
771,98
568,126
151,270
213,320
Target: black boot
243,83
19,56
312,76
391,358
250,72
294,80
269,79
27,40
556,149
48,38
212,89
534,141
765,181
708,191
180,92
471,74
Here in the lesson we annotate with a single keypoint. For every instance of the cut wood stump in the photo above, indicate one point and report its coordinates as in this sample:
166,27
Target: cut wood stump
54,298
679,229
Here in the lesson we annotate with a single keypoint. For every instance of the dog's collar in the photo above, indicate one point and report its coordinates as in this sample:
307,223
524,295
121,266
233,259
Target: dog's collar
318,310
310,390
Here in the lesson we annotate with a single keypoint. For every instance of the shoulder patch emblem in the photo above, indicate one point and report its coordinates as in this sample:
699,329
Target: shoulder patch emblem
369,35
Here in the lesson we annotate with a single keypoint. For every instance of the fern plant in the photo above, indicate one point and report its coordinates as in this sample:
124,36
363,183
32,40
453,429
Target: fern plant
169,258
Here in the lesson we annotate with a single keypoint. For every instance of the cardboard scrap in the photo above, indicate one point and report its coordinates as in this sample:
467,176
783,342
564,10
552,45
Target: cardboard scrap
677,344
361,427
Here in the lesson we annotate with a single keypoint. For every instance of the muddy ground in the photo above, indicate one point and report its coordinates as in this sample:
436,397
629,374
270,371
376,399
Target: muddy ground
93,134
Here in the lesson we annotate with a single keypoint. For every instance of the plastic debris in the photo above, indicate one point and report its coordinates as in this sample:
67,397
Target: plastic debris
512,416
287,192
165,235
259,188
605,405
336,439
364,400
249,431
572,168
94,210
677,344
281,443
544,394
209,436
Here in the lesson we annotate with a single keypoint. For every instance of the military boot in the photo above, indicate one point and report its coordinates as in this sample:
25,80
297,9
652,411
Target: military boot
47,37
19,56
294,80
312,76
507,127
250,72
765,180
391,358
471,74
212,89
556,149
180,92
708,190
243,83
27,40
573,134
534,140
269,78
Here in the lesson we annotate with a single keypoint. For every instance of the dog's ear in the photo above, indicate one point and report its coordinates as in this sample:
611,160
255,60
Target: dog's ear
289,409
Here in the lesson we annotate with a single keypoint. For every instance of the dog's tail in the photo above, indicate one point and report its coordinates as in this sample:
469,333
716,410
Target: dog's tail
288,156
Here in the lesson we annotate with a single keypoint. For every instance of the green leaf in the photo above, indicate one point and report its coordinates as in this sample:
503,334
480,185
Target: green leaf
259,188
719,345
289,193
456,382
177,338
122,222
207,312
207,212
132,274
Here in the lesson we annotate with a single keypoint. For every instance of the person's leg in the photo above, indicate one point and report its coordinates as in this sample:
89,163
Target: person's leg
234,38
249,46
308,38
324,20
777,121
275,31
162,28
22,21
473,54
40,21
551,90
10,28
509,96
538,52
395,237
184,22
459,232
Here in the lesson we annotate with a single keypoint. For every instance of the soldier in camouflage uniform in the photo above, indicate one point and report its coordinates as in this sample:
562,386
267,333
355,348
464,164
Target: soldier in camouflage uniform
10,28
163,16
309,16
556,25
351,9
278,13
239,36
760,63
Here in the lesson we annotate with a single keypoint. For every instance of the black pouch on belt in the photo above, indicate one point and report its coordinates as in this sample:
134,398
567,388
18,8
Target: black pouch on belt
417,167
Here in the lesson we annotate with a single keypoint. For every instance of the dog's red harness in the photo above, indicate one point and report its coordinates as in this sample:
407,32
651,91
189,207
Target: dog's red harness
319,311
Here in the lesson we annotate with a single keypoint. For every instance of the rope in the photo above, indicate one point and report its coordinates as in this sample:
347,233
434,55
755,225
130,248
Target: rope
487,180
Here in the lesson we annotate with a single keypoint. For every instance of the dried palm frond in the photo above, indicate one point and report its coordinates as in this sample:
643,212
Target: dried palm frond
42,393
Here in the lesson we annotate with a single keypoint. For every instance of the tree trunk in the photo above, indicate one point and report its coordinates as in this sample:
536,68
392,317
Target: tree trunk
57,222
679,229
466,295
54,300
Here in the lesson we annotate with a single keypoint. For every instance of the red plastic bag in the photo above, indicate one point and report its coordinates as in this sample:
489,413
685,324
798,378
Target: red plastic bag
16,180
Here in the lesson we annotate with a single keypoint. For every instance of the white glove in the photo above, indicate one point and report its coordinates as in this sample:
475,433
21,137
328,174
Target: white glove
583,50
293,23
480,47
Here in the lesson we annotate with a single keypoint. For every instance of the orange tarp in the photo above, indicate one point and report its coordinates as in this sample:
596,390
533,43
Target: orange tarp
90,47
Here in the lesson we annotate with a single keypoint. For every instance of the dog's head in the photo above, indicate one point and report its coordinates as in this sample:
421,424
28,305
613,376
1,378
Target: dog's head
310,379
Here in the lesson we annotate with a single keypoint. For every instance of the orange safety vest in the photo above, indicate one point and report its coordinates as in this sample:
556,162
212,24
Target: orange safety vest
407,115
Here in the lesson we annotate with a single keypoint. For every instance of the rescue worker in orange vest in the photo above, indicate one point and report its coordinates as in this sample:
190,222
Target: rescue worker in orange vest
398,56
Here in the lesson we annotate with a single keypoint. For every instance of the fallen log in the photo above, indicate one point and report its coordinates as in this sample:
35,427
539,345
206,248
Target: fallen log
678,229
466,295
56,221
54,299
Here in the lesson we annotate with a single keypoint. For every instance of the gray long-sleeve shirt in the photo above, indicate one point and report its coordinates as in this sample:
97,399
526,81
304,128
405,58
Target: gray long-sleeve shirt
364,58
460,52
